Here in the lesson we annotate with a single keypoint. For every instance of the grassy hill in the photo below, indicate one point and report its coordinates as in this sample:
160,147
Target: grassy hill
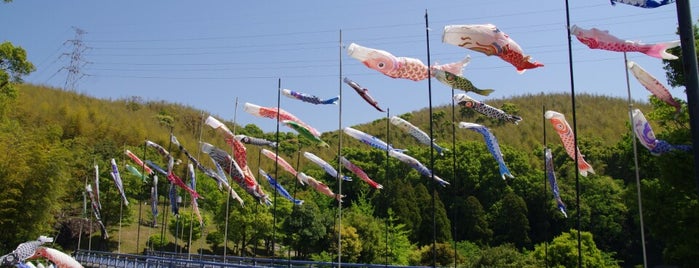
97,129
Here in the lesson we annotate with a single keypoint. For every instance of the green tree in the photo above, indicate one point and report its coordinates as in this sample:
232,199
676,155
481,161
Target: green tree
428,211
398,249
506,255
350,242
445,255
13,65
563,251
370,229
181,225
473,224
305,229
36,185
509,221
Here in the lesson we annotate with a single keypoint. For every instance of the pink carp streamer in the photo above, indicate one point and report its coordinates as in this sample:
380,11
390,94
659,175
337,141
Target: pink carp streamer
271,112
598,39
58,258
568,138
399,67
320,186
359,172
285,165
138,162
489,40
653,85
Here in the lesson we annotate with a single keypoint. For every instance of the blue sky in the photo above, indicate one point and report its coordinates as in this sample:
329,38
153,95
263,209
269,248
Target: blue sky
205,54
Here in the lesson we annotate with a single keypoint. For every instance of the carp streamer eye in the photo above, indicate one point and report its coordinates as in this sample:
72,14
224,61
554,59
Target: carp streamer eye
381,65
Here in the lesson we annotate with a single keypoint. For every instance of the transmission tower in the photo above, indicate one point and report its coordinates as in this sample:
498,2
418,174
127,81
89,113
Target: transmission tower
76,60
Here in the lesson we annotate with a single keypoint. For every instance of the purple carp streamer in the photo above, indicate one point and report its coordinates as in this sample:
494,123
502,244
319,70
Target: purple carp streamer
489,40
460,82
285,165
255,141
308,98
327,167
278,187
320,186
493,146
644,3
568,139
399,67
485,109
417,133
552,181
96,211
598,39
305,132
359,172
417,165
364,93
193,185
23,252
653,85
230,166
646,136
369,140
118,182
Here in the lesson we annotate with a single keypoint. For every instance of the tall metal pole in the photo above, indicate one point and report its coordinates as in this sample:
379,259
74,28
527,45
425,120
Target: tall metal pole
635,162
546,241
388,206
575,133
276,170
228,194
689,64
433,183
339,170
453,169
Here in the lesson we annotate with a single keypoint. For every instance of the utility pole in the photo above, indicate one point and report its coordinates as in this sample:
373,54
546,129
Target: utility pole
76,60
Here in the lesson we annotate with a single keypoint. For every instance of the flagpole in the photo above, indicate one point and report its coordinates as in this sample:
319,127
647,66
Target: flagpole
455,220
228,199
434,188
689,60
276,172
575,131
388,206
84,218
635,162
339,170
203,230
546,242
